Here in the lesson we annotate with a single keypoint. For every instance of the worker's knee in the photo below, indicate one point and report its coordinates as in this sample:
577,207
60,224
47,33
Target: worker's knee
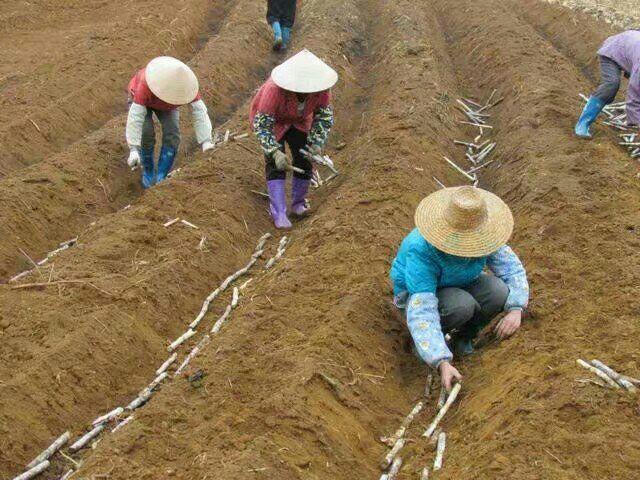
456,307
493,295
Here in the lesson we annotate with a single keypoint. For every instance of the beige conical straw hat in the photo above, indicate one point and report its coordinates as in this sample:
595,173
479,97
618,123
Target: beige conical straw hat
464,221
304,73
171,81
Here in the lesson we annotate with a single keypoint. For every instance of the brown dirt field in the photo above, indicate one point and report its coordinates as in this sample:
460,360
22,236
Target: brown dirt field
620,13
65,192
64,65
314,365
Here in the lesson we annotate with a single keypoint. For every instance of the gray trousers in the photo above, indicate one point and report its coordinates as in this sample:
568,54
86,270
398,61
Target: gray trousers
468,310
610,73
170,121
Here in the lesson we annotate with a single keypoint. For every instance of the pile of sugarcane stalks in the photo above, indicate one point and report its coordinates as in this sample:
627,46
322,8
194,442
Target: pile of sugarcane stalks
608,377
392,462
477,150
616,114
121,416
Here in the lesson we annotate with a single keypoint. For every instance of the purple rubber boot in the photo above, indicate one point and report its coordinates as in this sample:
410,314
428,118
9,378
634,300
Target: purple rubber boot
298,194
278,203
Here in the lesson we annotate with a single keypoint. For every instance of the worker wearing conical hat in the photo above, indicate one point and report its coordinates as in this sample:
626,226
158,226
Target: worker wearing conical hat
281,15
159,89
618,55
294,108
438,274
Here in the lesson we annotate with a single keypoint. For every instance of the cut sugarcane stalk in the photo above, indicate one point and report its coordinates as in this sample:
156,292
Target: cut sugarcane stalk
427,388
221,320
121,424
165,366
86,438
599,373
615,376
455,166
235,298
50,450
34,472
425,474
395,469
393,453
445,408
67,475
443,397
181,339
107,417
189,224
442,444
171,222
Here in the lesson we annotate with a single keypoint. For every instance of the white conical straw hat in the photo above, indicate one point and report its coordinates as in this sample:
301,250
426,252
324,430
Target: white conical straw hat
464,221
304,73
171,80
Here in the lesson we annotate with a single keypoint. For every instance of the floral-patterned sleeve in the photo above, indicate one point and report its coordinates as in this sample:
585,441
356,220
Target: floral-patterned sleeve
263,126
506,265
322,123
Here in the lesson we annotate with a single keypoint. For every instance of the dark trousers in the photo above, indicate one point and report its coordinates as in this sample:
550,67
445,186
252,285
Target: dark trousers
610,74
468,310
283,11
296,140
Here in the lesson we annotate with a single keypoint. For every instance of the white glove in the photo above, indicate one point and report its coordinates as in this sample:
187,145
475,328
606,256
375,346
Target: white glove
207,145
134,159
281,160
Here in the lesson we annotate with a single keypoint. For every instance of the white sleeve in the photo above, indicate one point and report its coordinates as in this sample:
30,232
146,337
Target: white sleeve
135,122
201,121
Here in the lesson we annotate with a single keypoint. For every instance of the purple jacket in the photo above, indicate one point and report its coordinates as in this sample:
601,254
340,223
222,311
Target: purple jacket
624,49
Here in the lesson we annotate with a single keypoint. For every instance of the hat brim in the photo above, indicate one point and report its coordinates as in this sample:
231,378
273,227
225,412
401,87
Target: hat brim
493,233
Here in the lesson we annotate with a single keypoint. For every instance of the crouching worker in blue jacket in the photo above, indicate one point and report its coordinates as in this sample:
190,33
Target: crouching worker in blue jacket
439,275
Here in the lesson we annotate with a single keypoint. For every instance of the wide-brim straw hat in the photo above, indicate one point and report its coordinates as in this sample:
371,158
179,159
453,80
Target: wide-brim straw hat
304,73
464,221
171,81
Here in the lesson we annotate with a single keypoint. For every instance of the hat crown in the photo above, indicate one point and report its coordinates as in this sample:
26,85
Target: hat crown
467,209
171,80
304,73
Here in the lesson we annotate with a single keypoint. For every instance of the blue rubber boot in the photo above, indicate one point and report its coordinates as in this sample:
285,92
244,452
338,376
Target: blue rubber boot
286,37
148,174
165,162
463,347
591,110
277,36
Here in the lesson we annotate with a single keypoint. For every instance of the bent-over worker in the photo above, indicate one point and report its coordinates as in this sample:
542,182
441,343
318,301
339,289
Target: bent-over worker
438,274
159,89
619,54
293,107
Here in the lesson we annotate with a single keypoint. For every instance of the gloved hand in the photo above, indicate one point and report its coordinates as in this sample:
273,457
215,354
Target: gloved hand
315,150
134,159
207,145
281,160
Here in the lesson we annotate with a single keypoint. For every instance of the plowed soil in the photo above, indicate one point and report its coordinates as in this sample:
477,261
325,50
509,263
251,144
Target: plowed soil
314,365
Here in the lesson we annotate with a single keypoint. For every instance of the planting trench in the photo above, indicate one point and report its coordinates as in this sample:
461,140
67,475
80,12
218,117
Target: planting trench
314,366
55,200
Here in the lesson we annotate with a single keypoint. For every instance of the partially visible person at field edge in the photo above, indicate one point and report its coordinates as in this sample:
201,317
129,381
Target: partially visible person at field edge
281,15
619,54
439,279
160,89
